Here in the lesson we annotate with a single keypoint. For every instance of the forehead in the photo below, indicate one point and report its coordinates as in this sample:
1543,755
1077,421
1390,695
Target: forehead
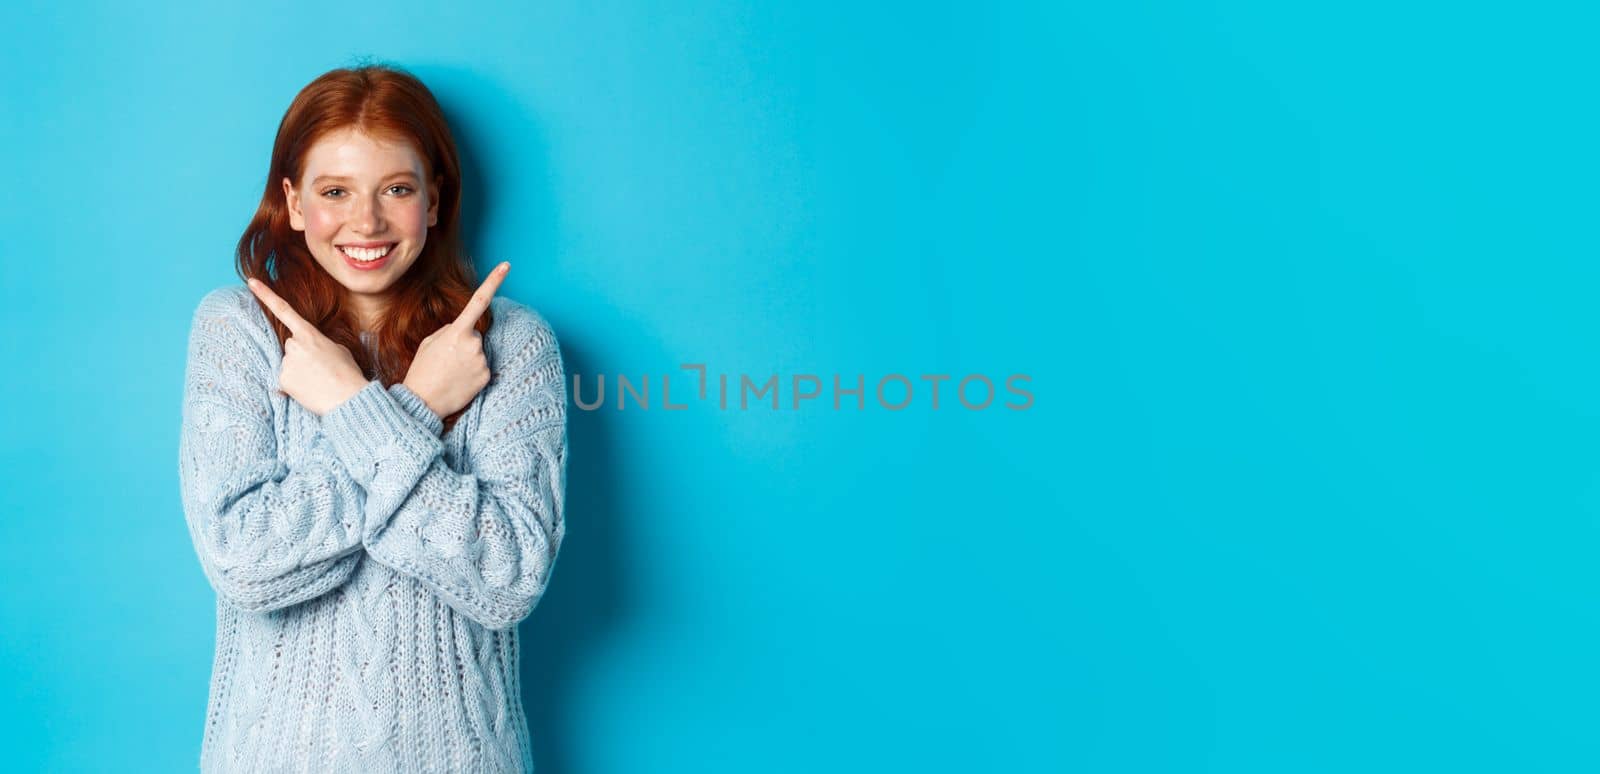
351,153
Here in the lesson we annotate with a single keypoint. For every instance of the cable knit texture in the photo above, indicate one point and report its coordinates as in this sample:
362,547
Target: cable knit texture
370,572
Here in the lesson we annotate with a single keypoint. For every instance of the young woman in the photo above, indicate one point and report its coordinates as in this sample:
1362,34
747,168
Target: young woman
372,457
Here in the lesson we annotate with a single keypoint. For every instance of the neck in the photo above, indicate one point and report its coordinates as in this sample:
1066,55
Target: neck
367,311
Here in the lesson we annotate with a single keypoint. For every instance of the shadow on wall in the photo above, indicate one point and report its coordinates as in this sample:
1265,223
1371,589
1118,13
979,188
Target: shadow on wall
585,591
584,597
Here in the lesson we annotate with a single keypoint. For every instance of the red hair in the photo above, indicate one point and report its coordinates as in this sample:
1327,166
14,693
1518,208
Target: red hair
389,104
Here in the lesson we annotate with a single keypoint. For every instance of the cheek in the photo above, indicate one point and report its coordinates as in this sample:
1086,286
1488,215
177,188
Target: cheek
412,218
321,222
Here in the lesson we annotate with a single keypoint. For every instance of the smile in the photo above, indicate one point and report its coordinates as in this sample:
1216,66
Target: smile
366,253
366,258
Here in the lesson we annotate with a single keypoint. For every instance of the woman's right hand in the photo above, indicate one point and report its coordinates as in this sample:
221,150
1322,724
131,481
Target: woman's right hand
317,372
449,368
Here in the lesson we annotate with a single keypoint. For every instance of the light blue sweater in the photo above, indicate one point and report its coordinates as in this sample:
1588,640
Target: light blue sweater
369,573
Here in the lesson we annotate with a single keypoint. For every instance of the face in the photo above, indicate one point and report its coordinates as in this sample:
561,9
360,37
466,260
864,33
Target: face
365,211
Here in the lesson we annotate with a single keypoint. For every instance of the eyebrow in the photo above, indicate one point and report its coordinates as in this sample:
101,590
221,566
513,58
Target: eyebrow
331,178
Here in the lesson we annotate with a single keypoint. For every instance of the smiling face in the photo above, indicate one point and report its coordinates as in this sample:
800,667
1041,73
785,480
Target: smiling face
365,212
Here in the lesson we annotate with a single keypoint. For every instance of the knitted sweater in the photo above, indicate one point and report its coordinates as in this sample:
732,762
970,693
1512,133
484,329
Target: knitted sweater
370,573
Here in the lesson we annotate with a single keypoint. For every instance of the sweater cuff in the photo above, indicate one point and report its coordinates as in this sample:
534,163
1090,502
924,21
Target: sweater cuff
416,407
371,433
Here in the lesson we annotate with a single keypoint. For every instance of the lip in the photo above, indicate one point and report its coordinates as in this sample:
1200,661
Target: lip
368,245
373,266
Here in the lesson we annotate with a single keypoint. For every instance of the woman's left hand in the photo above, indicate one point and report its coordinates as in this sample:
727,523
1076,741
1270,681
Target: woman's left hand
318,372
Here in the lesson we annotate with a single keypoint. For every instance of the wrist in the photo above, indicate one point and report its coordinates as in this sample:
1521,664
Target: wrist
350,389
423,396
417,407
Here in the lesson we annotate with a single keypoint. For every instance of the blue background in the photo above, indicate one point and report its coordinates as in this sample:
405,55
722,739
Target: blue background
1305,292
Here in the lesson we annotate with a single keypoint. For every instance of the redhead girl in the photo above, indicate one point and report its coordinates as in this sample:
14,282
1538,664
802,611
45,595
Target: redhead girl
372,458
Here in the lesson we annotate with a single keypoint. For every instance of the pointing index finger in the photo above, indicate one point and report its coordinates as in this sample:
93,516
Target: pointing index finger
280,308
480,299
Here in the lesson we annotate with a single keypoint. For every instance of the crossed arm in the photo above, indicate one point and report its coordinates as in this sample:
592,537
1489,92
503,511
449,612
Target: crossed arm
483,538
486,540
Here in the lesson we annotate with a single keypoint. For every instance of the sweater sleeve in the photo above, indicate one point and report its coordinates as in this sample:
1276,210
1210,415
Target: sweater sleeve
484,539
268,535
416,407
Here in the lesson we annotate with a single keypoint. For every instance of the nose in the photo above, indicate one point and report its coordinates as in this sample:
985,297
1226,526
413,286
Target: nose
368,217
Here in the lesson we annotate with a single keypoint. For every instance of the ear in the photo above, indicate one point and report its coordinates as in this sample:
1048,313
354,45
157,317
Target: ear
297,218
433,201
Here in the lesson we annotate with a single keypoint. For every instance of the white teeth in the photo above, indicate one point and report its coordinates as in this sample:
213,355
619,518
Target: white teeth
365,254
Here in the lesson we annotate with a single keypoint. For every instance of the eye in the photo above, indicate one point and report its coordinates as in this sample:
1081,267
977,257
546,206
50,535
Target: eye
405,188
331,190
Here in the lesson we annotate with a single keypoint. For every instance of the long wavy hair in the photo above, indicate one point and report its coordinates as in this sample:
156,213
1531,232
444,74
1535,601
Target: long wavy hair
389,104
